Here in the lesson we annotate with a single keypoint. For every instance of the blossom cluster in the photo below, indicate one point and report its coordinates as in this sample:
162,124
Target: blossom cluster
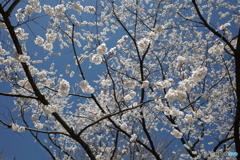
89,9
63,88
216,49
39,41
47,45
97,59
20,34
24,83
102,49
189,118
159,105
86,88
164,84
129,83
23,58
186,85
143,43
49,10
36,123
181,61
191,82
51,36
130,96
121,42
199,74
42,74
77,6
32,6
56,11
3,52
145,84
168,111
175,94
208,118
105,83
133,137
153,35
198,113
20,15
49,109
159,29
176,133
18,128
224,27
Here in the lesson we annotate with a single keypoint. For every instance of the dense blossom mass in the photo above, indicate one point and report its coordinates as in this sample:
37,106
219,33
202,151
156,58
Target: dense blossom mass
122,79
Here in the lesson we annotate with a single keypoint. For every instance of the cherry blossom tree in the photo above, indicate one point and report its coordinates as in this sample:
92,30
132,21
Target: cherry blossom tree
107,79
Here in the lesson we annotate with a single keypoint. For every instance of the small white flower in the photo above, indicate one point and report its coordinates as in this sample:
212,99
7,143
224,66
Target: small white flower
105,83
145,84
49,109
60,8
173,95
21,129
83,84
39,41
97,59
20,16
181,60
159,105
164,84
186,85
216,49
38,125
76,6
124,126
48,10
223,27
34,117
28,10
199,74
51,36
42,74
132,93
133,137
153,35
198,113
15,127
20,34
158,29
72,74
6,62
143,43
129,83
89,9
24,58
48,46
102,49
64,88
175,112
127,98
88,90
208,118
3,51
189,118
176,133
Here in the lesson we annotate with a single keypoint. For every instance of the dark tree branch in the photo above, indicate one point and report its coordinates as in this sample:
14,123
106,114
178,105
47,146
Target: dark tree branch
17,95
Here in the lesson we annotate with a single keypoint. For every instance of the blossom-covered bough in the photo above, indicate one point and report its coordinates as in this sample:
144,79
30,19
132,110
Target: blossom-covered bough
135,70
